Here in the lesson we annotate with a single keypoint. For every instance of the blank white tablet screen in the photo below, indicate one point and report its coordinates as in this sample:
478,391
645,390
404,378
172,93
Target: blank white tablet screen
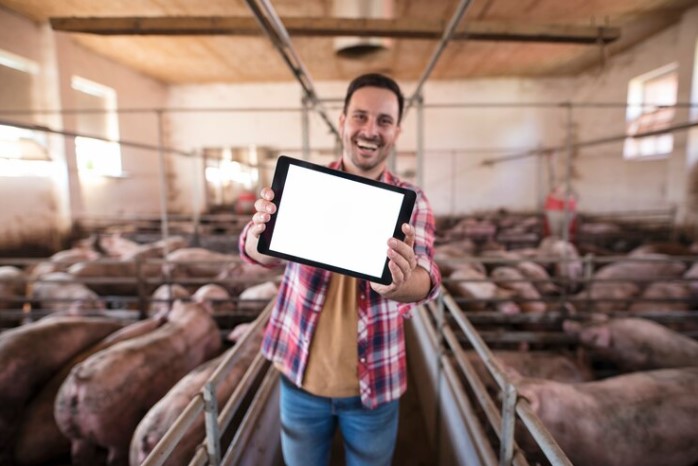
335,221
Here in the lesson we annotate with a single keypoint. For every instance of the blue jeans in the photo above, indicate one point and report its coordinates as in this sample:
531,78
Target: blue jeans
308,424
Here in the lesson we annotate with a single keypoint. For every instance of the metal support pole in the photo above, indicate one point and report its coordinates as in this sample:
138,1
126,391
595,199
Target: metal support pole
506,448
213,445
568,174
440,322
420,141
164,227
199,187
164,221
445,38
305,125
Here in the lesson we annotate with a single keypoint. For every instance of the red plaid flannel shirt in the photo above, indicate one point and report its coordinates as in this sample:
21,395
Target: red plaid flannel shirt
381,340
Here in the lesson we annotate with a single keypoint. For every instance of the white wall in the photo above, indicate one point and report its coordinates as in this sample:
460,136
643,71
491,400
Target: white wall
606,181
455,179
35,205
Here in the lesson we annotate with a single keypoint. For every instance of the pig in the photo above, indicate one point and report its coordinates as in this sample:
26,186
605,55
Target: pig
453,249
62,260
238,332
473,285
164,296
539,277
12,285
196,263
668,248
599,229
115,245
617,283
447,255
122,276
242,275
663,296
525,294
104,397
214,298
156,250
478,230
691,276
39,440
537,364
568,265
58,291
163,414
31,354
254,298
638,419
634,344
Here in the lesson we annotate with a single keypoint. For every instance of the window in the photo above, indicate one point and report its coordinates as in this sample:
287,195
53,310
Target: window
651,100
22,150
97,122
230,171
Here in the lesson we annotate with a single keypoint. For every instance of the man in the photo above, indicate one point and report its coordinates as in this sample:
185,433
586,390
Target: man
338,341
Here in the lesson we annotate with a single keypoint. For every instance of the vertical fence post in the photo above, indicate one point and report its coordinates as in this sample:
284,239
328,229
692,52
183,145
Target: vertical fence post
213,444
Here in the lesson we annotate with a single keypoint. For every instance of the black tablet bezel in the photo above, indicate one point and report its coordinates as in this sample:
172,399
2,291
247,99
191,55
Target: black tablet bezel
280,173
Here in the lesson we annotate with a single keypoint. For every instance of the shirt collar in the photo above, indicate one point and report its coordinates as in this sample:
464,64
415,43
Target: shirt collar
385,177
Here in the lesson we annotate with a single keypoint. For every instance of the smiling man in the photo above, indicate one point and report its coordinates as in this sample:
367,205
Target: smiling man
339,341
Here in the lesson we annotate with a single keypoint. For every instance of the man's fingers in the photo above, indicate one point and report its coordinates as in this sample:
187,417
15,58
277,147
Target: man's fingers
267,194
261,205
261,217
409,234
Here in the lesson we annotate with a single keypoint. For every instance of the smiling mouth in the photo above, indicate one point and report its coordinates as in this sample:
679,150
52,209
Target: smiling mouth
365,145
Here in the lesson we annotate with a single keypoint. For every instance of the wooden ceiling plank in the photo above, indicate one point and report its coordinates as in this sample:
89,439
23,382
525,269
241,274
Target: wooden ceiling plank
404,28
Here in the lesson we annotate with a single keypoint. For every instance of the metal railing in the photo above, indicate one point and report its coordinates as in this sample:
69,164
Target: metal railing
501,420
217,421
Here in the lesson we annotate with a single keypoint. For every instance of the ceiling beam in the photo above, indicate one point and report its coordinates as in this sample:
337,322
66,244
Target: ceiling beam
404,28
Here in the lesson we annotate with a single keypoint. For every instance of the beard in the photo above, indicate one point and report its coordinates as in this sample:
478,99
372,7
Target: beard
366,160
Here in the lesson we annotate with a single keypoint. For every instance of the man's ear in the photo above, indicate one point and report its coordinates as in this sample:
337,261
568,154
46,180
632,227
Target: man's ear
342,118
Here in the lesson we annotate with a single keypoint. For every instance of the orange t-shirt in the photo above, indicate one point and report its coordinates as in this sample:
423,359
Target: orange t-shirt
332,368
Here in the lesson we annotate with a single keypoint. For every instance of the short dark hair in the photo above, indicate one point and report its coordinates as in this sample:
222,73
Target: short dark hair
375,80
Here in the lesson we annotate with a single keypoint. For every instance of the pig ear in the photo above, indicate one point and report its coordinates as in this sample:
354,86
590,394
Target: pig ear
512,374
571,327
600,337
526,392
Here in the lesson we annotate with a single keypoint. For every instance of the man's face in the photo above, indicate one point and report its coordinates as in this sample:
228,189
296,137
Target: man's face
369,130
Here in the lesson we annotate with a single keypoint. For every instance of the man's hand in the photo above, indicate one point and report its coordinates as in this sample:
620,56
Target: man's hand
402,264
264,209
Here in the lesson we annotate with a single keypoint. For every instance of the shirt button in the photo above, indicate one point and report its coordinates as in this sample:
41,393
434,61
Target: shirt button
363,360
362,296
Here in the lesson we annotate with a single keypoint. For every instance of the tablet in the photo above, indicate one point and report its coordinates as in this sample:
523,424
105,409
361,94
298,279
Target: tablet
334,220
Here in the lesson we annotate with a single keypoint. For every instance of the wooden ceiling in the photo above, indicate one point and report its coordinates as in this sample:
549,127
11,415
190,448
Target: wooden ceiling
209,41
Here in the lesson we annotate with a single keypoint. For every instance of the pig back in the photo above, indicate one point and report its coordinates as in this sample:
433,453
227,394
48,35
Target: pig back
39,440
635,344
162,416
32,353
640,419
104,397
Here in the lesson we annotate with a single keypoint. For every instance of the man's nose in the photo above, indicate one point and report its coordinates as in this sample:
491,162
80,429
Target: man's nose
370,128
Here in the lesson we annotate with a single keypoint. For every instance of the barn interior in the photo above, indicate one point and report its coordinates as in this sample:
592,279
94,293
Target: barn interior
557,143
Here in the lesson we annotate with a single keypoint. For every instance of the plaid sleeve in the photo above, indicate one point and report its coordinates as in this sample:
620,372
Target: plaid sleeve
423,223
